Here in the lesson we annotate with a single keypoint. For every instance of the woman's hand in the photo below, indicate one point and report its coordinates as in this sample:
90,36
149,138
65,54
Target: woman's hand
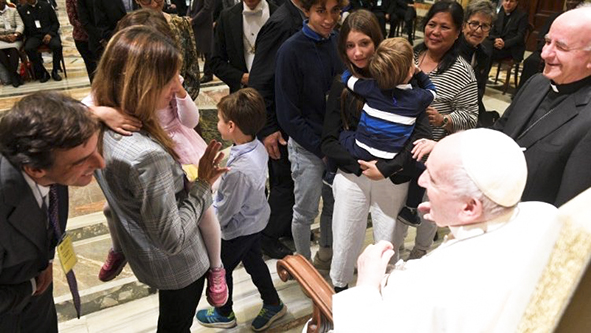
119,122
370,170
435,118
422,147
209,164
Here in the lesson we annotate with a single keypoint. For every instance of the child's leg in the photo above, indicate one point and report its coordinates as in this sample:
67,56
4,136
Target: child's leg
233,251
110,223
115,258
212,236
257,269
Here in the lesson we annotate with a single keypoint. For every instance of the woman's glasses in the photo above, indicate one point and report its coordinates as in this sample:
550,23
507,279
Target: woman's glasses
474,25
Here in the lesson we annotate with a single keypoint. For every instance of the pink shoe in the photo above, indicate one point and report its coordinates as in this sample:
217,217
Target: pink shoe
112,266
217,290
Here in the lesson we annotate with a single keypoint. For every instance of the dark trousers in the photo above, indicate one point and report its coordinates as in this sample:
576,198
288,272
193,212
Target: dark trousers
207,70
281,199
177,307
9,58
531,66
88,57
247,249
415,192
39,316
31,45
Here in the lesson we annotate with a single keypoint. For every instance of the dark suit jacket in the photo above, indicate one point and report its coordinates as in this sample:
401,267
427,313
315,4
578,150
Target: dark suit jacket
558,148
25,249
45,14
202,15
513,34
107,13
86,17
285,22
227,60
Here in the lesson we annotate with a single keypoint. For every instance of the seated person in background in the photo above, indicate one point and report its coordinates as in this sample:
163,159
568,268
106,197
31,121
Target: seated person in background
41,27
477,24
508,33
242,209
534,63
481,277
402,10
392,103
11,34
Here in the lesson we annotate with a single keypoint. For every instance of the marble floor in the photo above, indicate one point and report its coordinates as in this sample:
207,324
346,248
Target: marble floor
124,304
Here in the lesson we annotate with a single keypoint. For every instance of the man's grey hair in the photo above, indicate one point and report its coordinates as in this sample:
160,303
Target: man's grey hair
484,7
464,187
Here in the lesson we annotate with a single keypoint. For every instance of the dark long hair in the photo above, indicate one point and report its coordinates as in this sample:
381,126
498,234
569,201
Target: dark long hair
457,15
365,22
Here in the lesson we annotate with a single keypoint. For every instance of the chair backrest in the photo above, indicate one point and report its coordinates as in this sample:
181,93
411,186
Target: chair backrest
560,302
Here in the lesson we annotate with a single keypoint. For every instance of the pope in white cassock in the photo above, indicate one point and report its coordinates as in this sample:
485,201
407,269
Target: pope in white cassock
481,277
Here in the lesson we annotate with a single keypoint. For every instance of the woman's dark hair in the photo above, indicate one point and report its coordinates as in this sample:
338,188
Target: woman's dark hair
457,15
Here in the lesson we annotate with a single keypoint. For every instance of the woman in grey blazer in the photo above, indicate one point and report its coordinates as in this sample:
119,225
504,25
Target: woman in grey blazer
156,210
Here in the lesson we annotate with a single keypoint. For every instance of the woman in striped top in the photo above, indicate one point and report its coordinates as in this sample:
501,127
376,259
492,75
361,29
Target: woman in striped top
454,109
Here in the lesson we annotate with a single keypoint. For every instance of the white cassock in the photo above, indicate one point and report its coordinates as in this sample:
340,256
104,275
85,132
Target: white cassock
480,279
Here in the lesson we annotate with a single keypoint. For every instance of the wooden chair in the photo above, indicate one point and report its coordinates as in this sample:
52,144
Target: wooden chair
559,303
45,49
313,285
509,63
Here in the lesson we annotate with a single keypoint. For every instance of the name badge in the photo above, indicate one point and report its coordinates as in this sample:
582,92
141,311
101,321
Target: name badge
38,24
66,254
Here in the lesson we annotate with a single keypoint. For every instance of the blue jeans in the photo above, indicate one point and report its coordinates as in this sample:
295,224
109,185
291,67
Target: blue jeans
306,171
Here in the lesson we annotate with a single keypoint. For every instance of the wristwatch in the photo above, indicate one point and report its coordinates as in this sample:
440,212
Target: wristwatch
445,121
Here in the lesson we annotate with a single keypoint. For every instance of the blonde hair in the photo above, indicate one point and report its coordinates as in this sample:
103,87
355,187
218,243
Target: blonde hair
391,62
137,64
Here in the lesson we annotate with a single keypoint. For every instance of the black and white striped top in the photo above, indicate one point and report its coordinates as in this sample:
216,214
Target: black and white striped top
457,96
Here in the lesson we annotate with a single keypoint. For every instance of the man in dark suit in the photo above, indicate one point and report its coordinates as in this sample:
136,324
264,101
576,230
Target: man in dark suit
550,117
286,21
201,14
107,13
234,51
48,141
41,28
508,33
86,17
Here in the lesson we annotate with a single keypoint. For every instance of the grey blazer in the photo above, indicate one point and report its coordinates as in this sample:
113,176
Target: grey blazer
156,218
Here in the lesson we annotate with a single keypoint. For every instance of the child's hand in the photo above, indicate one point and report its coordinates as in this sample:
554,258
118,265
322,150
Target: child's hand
180,90
116,120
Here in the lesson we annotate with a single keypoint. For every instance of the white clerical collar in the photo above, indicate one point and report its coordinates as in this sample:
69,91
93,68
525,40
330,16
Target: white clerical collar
258,9
554,87
462,232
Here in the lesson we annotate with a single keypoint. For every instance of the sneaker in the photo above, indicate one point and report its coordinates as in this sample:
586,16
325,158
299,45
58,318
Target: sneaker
212,318
112,266
416,254
217,289
409,216
267,315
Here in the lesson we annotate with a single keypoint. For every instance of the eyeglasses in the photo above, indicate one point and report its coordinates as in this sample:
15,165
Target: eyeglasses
474,25
147,2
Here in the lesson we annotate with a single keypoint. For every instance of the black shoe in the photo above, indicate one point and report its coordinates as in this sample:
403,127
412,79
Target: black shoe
409,217
339,289
44,77
55,75
16,80
206,78
273,248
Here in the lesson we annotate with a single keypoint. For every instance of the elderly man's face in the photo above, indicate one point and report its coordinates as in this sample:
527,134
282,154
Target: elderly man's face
567,53
443,206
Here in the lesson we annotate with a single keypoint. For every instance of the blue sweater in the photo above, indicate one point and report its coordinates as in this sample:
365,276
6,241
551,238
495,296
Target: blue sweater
388,116
305,66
